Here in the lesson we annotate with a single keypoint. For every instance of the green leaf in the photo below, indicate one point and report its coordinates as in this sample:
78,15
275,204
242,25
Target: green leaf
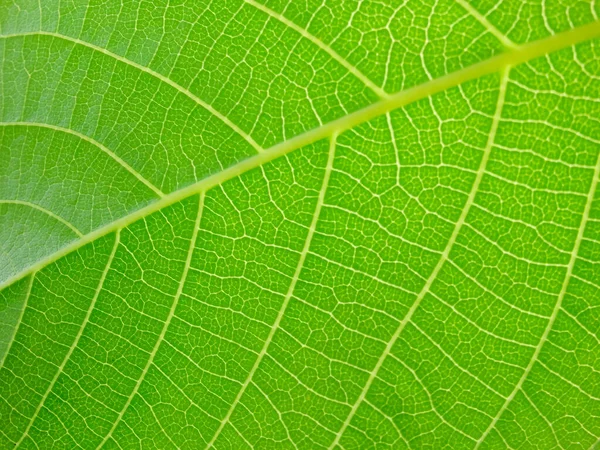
284,224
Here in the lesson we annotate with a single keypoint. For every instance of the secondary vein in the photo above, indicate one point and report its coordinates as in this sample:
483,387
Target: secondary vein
150,72
95,143
56,217
487,24
14,334
165,327
75,341
319,43
290,292
563,291
442,260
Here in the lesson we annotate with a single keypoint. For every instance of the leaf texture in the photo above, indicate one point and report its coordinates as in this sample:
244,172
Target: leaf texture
279,224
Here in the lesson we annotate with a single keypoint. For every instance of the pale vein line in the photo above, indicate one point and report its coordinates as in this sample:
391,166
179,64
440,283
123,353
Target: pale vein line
163,332
323,46
95,143
75,342
557,307
440,263
158,422
421,382
149,71
479,328
183,393
550,425
391,421
517,56
581,325
279,414
566,380
487,24
24,307
290,292
56,217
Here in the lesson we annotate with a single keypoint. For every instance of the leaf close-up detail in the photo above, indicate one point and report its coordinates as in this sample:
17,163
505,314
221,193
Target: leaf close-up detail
298,224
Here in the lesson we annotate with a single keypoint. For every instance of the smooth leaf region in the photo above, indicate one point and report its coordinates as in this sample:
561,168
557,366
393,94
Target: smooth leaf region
332,224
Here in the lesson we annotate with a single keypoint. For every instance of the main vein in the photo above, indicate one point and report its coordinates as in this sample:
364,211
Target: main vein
165,327
290,292
513,57
442,260
557,307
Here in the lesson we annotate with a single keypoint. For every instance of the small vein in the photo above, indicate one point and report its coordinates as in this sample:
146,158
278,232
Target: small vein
557,307
65,222
184,394
163,332
581,325
550,425
279,415
75,342
24,307
476,325
566,380
95,143
441,261
290,292
391,422
158,422
149,71
429,395
487,24
319,43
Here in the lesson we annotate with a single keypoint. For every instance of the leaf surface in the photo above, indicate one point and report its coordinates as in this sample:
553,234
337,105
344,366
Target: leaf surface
338,224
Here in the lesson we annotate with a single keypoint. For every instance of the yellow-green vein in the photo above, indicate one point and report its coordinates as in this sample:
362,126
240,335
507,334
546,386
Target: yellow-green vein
95,143
165,327
557,307
441,261
290,292
150,72
49,213
75,341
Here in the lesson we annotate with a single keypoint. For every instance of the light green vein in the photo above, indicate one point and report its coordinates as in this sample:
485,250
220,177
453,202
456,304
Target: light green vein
557,307
24,307
56,217
487,24
513,57
290,292
165,327
441,261
95,143
150,72
331,52
75,342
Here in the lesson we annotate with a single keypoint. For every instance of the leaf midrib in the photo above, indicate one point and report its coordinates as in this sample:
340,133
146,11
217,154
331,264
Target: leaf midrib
513,57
